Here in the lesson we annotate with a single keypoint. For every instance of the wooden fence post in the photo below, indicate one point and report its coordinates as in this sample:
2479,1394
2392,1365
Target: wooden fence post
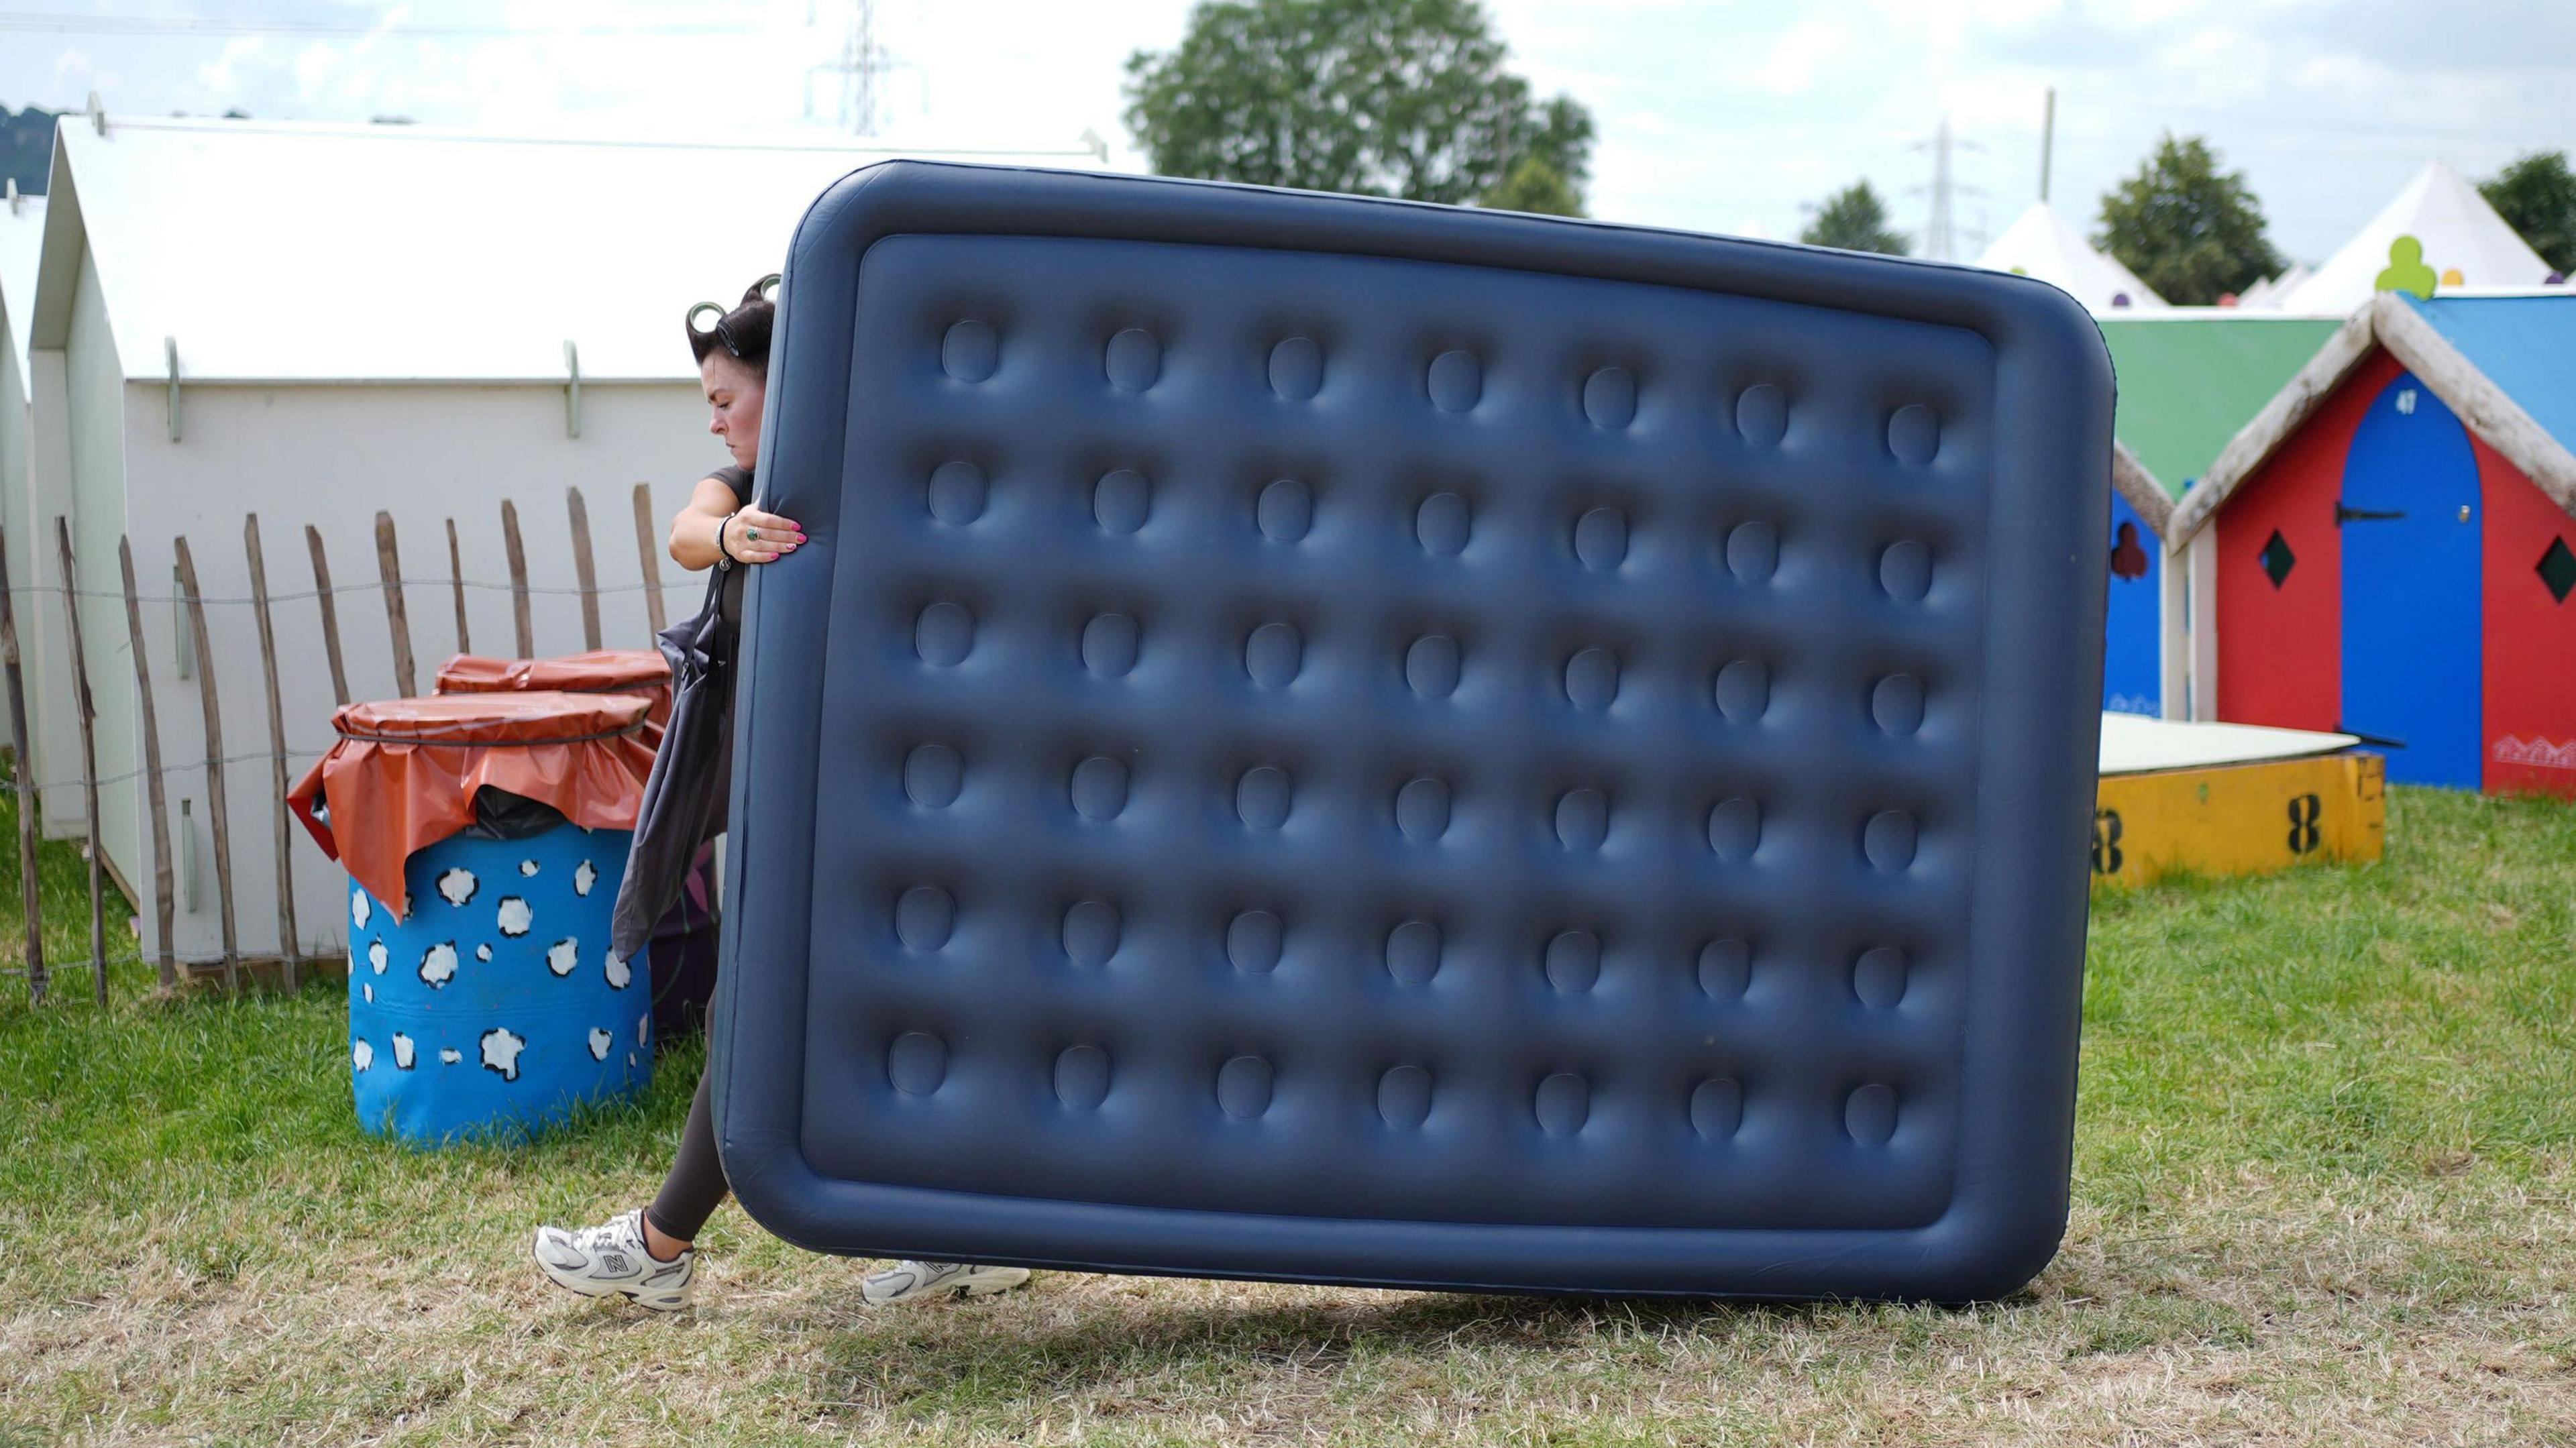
85,708
164,911
389,568
330,614
456,580
290,944
216,814
26,789
518,579
651,555
584,571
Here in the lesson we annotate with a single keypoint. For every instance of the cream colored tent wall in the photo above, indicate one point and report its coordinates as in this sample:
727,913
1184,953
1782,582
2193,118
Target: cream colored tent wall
331,457
22,220
17,450
379,382
79,472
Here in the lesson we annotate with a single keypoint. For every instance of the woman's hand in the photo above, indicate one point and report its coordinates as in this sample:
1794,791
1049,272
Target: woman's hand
714,509
753,536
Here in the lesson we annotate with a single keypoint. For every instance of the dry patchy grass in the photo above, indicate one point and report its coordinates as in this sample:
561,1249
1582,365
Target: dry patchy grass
2324,1195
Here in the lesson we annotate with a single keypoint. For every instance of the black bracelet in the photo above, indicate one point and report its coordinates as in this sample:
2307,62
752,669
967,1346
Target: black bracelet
725,558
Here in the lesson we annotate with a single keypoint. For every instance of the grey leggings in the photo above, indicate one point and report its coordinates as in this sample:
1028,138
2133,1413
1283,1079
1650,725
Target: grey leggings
696,1185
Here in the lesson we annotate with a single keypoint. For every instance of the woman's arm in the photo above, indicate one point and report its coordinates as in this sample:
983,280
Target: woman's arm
693,532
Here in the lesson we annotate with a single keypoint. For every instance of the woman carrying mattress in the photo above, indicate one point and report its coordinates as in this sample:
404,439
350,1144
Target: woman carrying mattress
645,1253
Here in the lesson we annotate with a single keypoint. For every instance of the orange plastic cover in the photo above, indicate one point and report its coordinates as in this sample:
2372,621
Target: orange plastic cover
404,773
641,671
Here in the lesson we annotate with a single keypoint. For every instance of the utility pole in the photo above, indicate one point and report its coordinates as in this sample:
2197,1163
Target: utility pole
2047,139
1939,240
857,64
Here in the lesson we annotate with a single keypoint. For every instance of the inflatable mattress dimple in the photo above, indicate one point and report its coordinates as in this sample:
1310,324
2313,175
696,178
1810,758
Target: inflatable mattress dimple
1338,740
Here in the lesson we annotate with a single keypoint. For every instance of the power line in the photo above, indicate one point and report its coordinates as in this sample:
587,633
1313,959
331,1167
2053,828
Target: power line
70,24
1938,240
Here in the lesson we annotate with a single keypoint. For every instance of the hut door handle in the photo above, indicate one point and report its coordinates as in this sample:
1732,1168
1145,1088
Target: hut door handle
2344,515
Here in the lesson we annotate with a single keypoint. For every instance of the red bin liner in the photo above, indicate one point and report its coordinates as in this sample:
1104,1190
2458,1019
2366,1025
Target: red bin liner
404,773
600,671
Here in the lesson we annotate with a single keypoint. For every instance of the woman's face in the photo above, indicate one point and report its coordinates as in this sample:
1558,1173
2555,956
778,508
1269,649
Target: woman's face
735,392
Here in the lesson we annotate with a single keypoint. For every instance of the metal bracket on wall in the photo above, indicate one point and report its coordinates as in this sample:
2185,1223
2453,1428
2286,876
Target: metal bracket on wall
170,356
572,389
187,853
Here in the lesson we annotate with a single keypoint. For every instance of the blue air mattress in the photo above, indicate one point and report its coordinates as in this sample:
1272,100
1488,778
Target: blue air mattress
1337,740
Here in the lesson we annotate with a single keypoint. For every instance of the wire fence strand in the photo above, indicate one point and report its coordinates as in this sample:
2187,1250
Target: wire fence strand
40,591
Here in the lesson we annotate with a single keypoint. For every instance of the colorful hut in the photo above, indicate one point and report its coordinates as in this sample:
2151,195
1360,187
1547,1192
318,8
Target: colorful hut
2388,549
2189,378
2132,629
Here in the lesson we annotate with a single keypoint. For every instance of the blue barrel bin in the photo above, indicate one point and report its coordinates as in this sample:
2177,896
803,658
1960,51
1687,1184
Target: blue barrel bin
496,1003
485,838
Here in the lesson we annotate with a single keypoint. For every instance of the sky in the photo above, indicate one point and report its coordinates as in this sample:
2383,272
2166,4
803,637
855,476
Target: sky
1714,115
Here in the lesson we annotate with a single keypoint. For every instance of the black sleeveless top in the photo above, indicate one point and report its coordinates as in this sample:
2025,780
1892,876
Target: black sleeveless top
738,479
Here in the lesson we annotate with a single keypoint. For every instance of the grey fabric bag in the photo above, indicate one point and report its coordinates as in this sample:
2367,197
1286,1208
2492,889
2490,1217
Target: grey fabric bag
684,798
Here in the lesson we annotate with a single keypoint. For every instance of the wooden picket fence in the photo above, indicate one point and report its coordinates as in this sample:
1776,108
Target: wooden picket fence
390,584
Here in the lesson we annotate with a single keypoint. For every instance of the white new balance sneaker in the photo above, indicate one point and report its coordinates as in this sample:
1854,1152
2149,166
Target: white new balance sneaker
921,1281
610,1260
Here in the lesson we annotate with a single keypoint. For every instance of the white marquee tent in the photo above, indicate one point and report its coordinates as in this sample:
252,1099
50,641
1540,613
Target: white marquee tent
2459,231
314,323
2267,294
2041,244
22,228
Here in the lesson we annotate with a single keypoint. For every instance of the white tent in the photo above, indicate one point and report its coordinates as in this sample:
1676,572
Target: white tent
313,324
2268,294
22,229
22,232
2459,231
2040,244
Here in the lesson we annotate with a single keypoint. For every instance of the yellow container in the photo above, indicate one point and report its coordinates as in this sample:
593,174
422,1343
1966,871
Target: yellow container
2239,819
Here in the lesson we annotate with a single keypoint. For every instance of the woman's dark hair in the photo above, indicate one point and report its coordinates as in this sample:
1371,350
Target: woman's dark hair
742,332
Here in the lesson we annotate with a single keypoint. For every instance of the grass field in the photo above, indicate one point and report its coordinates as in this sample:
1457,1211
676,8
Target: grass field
2323,1195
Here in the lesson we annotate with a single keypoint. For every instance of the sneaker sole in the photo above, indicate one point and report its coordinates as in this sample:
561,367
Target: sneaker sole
958,1293
992,1289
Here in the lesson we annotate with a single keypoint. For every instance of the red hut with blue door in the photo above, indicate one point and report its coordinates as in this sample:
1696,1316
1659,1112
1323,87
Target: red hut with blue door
2391,545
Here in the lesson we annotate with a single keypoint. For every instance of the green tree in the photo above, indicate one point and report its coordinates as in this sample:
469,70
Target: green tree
1375,97
2536,196
2186,230
1856,220
27,147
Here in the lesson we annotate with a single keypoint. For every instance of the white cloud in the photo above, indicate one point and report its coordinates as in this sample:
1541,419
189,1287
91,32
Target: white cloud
1794,60
1710,115
222,75
2342,73
2217,62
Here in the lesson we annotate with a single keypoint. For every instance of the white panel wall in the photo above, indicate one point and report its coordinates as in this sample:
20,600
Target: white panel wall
331,456
79,474
17,449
